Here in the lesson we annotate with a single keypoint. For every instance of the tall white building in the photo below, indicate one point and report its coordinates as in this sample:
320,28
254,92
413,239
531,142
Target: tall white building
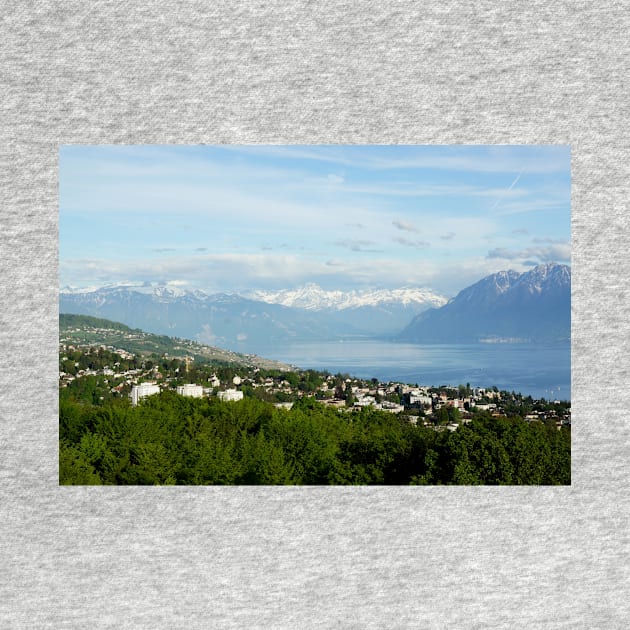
230,395
417,397
194,391
142,391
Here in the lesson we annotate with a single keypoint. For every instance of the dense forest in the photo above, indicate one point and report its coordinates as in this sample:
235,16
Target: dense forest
169,439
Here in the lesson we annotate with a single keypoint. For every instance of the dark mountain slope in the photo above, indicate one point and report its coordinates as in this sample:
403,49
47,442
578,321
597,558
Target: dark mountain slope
530,306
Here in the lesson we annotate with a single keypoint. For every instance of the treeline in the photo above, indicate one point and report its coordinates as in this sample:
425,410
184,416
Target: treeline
169,439
70,320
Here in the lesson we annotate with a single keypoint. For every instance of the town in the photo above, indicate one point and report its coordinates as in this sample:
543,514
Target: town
99,373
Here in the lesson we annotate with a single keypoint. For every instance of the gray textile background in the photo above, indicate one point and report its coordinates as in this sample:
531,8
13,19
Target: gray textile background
327,72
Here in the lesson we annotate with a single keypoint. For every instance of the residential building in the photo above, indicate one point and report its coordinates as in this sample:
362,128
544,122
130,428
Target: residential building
194,391
142,391
230,395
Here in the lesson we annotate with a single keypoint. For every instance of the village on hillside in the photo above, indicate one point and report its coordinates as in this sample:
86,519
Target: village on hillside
105,372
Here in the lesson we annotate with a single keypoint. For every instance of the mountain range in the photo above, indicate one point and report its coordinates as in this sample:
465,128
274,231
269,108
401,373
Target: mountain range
306,314
312,297
508,305
534,306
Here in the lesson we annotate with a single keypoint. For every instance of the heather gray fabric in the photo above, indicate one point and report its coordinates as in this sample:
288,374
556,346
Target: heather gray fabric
327,72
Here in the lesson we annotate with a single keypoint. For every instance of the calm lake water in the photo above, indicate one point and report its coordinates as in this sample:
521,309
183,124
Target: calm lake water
532,369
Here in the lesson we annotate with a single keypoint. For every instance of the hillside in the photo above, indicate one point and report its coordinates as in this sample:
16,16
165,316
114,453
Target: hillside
86,330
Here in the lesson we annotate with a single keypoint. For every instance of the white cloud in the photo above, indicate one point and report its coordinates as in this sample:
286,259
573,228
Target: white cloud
234,273
532,205
411,243
548,240
557,252
335,179
405,226
358,245
231,204
215,272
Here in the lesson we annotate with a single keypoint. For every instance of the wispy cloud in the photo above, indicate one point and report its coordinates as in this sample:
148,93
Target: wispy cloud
411,243
547,240
532,205
484,159
332,178
212,271
558,252
278,215
358,245
405,226
242,272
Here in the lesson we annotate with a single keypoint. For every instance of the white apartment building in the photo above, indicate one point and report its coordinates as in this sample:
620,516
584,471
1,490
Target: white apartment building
230,395
142,391
365,401
392,407
417,397
194,391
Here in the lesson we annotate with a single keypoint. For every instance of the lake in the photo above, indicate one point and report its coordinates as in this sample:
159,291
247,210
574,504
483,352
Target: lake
532,369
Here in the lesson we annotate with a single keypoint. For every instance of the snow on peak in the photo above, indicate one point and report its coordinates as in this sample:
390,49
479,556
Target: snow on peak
546,275
163,291
68,289
535,280
312,297
175,292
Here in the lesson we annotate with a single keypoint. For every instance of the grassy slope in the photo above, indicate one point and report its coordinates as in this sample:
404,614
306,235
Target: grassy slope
87,330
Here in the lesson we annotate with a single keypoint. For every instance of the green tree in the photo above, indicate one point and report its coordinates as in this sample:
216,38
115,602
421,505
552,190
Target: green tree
74,468
442,415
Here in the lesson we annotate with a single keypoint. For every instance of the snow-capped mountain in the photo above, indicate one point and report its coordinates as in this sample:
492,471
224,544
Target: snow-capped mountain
166,291
312,297
530,306
219,319
309,313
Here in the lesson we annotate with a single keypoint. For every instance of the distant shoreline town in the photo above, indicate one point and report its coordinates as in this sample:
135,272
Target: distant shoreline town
116,373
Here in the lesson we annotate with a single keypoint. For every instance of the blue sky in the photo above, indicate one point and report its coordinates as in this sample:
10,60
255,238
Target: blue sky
242,218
